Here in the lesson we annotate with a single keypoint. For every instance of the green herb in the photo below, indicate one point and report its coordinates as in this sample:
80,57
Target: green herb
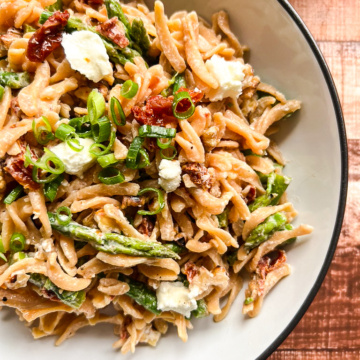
14,195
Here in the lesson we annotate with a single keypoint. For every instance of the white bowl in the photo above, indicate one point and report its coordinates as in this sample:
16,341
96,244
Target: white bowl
284,54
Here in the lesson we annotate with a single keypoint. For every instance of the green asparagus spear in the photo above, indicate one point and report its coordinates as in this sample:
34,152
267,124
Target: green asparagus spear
114,8
111,243
264,230
141,294
139,35
1,92
276,186
58,5
175,248
223,218
201,310
14,80
231,257
73,299
289,241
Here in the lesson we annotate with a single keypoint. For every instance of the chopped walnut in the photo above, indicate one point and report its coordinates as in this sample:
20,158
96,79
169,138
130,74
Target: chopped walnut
199,174
146,227
134,201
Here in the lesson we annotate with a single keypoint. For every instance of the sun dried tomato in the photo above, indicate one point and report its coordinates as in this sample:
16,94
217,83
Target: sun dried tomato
251,195
112,30
48,37
94,2
158,109
14,165
269,263
190,270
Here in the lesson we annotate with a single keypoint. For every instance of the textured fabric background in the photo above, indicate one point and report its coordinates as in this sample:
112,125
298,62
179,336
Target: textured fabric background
331,327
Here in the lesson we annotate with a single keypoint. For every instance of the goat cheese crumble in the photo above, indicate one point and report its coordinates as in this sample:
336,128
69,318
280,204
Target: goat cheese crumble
76,163
169,174
175,296
86,53
230,75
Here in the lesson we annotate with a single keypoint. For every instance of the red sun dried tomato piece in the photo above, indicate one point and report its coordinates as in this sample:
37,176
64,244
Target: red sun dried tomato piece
158,109
94,2
48,37
112,31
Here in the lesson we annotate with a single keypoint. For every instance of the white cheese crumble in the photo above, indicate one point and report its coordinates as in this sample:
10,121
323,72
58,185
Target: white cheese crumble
169,174
76,163
175,296
230,75
86,53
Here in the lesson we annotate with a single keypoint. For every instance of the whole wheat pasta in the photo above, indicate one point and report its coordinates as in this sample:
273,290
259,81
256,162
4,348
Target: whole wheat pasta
124,184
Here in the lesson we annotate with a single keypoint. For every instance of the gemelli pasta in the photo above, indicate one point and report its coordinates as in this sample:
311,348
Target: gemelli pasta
137,172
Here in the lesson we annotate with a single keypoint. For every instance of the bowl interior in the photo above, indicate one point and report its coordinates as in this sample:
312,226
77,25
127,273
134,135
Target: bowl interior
281,55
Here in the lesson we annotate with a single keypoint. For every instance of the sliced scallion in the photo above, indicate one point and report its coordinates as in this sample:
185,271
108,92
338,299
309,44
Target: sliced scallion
101,129
143,160
114,102
156,132
163,145
66,132
183,106
129,89
172,156
111,176
95,106
82,126
160,199
14,194
132,158
63,215
17,242
179,82
42,132
51,188
94,148
107,160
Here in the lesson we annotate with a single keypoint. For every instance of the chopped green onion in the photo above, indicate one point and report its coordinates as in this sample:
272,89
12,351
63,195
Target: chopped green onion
51,188
248,300
107,160
105,149
163,145
223,218
3,257
115,102
82,126
67,133
63,219
132,158
179,82
43,134
17,242
101,129
2,249
143,159
14,194
171,157
1,92
95,106
156,131
111,176
187,107
42,180
27,28
161,201
129,89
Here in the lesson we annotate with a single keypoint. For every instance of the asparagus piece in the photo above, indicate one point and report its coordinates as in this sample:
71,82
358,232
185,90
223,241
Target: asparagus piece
141,294
111,243
73,299
176,248
276,186
1,92
14,80
289,241
28,28
114,8
223,218
58,5
139,35
201,311
264,230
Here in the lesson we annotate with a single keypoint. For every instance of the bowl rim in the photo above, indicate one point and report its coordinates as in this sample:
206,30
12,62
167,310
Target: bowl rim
343,184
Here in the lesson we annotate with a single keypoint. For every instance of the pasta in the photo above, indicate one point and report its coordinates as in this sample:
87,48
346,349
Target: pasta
138,175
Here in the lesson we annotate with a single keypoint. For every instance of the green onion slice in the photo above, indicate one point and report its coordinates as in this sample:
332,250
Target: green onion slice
163,145
129,89
111,176
179,82
42,132
115,102
132,158
156,132
101,129
14,194
182,106
17,242
143,159
171,157
105,149
51,188
3,257
63,219
161,201
82,126
107,160
95,106
67,133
